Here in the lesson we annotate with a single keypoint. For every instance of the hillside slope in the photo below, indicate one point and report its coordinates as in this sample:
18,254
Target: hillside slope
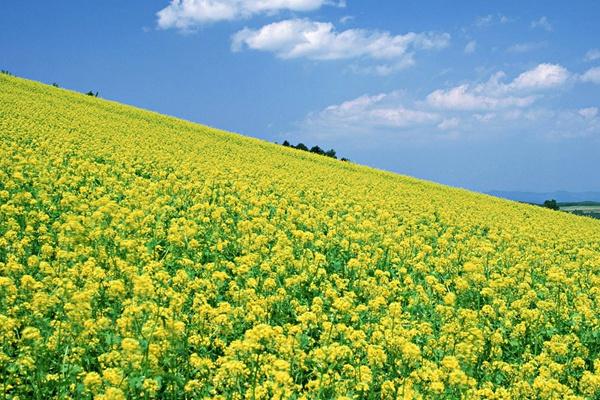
142,255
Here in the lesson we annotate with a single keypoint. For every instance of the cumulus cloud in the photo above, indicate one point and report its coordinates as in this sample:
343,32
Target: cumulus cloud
382,112
591,75
544,76
466,97
471,47
187,14
498,106
592,55
304,38
542,23
495,94
377,110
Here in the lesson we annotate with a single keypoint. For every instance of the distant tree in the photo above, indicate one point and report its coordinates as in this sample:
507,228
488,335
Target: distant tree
317,150
55,84
5,72
90,93
301,146
344,159
551,204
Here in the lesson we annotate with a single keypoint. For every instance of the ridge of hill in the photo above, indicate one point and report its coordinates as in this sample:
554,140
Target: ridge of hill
146,256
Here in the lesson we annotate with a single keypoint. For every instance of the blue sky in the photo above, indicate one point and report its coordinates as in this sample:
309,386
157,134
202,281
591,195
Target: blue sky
488,95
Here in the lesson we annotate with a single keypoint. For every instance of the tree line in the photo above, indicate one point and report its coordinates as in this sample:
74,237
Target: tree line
315,149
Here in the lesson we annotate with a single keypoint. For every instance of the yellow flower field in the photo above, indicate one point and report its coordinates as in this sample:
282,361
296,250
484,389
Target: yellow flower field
142,256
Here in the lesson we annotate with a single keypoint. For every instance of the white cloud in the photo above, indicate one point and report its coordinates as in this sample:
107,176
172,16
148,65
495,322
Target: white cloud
465,97
526,47
570,124
542,23
385,69
592,55
382,113
497,107
471,47
377,110
495,94
484,118
591,75
449,123
303,38
187,14
485,21
589,112
543,76
346,18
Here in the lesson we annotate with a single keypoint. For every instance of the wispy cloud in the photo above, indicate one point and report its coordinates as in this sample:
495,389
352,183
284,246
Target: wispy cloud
542,23
470,47
346,18
188,14
383,69
449,123
526,47
592,55
592,75
466,98
303,38
496,105
572,124
588,112
366,114
485,21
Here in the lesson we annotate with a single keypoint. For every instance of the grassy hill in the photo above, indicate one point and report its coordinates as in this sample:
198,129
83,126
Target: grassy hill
142,256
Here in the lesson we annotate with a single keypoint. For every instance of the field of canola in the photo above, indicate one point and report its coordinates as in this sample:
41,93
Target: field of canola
142,256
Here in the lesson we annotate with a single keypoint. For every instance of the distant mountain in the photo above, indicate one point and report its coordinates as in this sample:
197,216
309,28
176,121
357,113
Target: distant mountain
538,198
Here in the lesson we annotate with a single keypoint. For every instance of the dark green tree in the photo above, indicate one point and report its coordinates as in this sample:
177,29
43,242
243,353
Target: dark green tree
331,153
551,204
317,150
301,146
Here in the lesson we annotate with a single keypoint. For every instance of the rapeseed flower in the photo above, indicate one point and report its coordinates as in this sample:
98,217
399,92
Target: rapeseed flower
143,256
